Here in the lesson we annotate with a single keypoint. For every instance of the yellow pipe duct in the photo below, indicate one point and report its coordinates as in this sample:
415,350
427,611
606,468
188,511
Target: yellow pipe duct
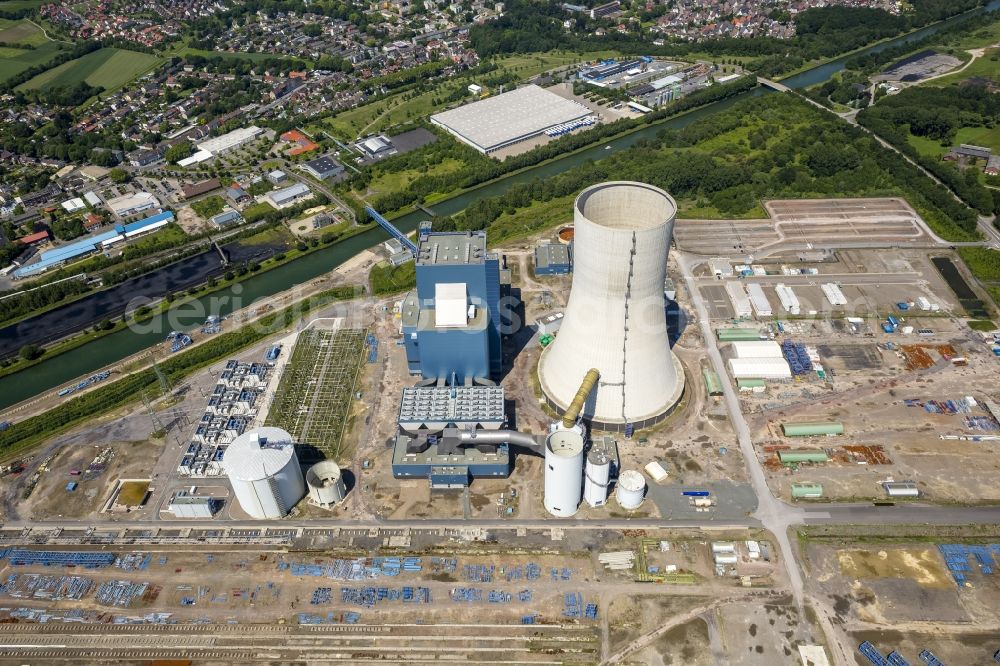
576,406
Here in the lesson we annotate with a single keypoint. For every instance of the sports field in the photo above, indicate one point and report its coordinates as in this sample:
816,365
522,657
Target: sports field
108,68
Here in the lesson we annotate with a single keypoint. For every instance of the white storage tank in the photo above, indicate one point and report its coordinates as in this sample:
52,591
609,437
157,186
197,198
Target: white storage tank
596,476
262,466
630,490
563,472
326,484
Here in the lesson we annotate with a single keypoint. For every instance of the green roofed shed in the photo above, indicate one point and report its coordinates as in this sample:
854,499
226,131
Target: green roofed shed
803,456
737,334
812,428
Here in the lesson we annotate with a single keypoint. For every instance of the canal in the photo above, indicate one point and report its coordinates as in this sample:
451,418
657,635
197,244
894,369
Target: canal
112,348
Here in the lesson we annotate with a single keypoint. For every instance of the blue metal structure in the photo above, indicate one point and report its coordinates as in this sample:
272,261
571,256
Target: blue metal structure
391,229
930,658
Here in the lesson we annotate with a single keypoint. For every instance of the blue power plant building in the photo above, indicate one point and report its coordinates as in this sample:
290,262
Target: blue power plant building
451,323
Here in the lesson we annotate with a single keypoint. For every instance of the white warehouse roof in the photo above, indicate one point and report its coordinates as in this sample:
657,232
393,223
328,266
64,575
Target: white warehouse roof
226,141
759,368
757,349
508,118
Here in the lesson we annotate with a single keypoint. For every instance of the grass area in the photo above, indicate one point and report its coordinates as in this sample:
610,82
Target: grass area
209,206
988,137
21,32
15,61
529,220
984,325
692,211
405,106
15,5
271,236
401,179
388,279
984,264
109,68
987,67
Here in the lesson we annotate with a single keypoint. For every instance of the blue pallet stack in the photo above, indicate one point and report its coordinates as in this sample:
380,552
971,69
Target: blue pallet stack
573,602
929,658
872,654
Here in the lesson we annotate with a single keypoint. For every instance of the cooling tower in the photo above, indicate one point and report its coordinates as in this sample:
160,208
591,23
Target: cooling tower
615,320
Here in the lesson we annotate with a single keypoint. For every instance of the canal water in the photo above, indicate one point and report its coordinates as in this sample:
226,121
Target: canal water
117,346
966,297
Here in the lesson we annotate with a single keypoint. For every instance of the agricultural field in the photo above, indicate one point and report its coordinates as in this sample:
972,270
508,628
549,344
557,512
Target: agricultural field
314,395
109,68
13,60
21,32
15,5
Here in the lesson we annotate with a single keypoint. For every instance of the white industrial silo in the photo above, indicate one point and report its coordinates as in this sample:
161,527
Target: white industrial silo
595,477
630,490
326,484
615,320
563,472
264,471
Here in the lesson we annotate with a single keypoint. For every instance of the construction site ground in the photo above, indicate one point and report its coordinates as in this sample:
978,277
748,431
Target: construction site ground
901,596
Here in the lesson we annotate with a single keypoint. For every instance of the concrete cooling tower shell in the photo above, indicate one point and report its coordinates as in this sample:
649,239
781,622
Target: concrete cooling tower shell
615,319
325,483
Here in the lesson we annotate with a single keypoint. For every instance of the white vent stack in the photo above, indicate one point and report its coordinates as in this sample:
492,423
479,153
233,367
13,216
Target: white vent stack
563,472
326,484
595,478
631,489
615,319
262,466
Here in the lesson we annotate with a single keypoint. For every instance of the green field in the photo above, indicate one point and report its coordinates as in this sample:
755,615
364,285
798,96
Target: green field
13,61
108,68
15,5
21,32
988,137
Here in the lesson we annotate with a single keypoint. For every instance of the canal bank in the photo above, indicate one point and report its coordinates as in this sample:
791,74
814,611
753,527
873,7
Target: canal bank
112,348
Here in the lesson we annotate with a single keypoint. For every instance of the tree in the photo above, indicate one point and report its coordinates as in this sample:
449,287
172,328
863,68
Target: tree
118,175
30,352
177,152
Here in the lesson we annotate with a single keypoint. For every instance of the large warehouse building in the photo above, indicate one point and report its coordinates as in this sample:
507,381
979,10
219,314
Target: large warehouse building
509,118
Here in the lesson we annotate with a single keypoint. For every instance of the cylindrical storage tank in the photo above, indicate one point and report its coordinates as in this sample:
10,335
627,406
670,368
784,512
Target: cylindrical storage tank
264,471
563,472
631,489
622,235
325,483
595,478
